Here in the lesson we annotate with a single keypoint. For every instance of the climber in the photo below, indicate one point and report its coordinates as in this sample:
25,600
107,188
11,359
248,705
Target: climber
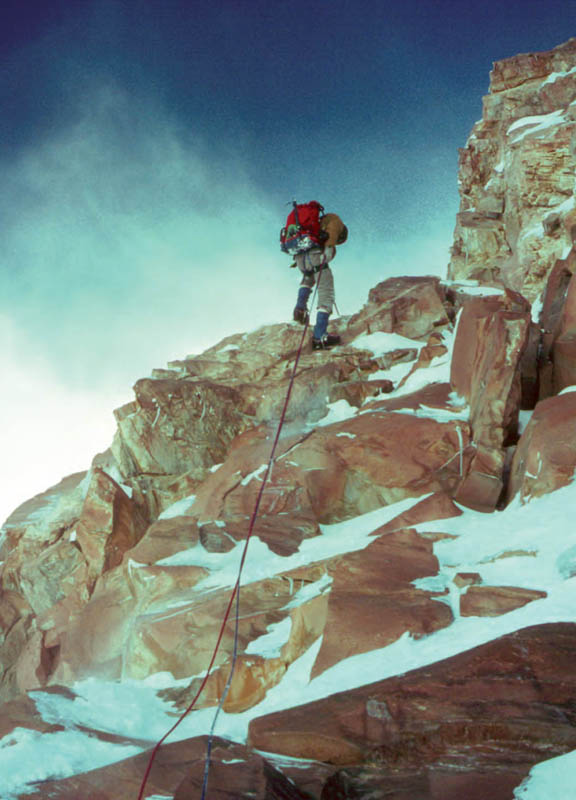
311,264
311,237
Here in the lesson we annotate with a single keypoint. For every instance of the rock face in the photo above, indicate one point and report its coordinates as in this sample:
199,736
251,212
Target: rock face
236,774
127,571
491,338
379,578
516,175
420,722
545,458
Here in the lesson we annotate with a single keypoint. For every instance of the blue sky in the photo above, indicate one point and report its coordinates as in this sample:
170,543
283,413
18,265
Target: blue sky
149,149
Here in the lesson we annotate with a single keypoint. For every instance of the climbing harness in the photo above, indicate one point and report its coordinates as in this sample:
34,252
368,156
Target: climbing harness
235,595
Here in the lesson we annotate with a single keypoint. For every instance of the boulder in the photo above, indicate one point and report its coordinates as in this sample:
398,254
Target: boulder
338,471
545,458
490,340
235,773
436,783
491,601
259,667
564,347
505,703
356,392
164,538
372,601
413,307
177,426
109,525
435,506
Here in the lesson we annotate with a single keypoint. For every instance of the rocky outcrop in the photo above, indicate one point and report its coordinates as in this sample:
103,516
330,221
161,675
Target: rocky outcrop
462,716
236,773
128,570
516,175
491,337
491,601
373,601
545,458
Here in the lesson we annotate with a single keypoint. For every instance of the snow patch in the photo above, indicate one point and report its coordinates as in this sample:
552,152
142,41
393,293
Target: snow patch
270,644
536,124
524,418
28,756
381,343
178,508
253,475
553,778
309,591
339,411
553,77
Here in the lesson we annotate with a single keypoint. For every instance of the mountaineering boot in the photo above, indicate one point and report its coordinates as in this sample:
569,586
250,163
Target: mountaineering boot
321,339
301,309
326,342
301,315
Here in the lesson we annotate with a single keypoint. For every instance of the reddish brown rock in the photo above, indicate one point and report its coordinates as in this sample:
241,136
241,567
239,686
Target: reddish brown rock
564,347
177,426
530,368
551,321
508,702
508,73
435,395
545,458
356,392
375,459
164,538
491,601
469,348
515,181
177,771
262,606
17,626
467,579
435,506
410,306
22,713
106,636
373,602
109,525
489,344
338,471
437,783
286,513
434,348
234,779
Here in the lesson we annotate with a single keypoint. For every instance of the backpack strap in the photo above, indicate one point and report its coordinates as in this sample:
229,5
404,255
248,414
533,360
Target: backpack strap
295,204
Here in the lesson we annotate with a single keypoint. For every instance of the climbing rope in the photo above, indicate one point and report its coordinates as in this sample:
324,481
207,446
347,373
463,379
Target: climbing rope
235,595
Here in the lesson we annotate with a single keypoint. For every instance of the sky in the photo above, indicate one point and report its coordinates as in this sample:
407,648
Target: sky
149,150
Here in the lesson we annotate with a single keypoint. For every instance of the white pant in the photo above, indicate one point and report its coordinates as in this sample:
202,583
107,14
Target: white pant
308,263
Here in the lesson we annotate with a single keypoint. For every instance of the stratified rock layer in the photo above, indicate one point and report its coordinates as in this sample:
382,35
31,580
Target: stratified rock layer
516,174
467,714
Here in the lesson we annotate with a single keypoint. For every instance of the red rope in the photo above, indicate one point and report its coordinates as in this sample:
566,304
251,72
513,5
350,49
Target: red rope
236,588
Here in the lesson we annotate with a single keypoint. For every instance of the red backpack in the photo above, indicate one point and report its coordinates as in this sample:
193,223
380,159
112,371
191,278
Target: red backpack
302,230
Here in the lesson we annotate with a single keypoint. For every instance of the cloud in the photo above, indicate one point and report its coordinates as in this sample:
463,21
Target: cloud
123,236
47,429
